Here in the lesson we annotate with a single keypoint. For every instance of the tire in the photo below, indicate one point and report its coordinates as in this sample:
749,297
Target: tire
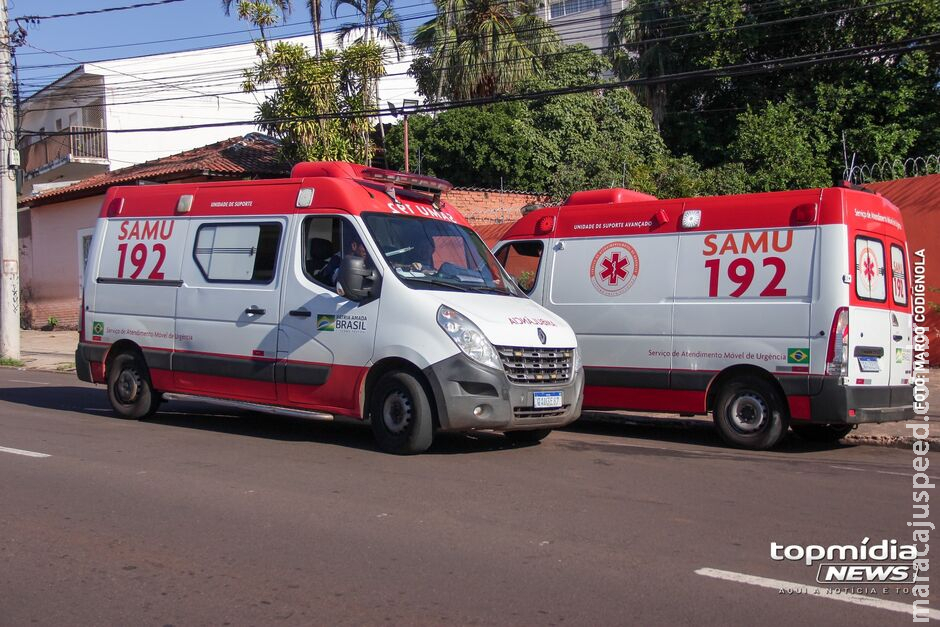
129,388
822,434
750,413
528,437
400,414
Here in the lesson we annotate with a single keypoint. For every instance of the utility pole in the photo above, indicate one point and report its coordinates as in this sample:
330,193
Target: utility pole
9,244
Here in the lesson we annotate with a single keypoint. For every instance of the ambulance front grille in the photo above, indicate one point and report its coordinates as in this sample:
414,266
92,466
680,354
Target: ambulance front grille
536,365
533,413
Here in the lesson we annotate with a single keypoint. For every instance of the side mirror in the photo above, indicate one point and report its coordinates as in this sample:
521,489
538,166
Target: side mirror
357,280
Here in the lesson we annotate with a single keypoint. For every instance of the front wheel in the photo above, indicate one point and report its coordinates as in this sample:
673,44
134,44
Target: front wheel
400,414
129,388
750,414
823,434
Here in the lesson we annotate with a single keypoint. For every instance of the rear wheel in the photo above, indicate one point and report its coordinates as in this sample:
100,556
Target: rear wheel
129,388
750,413
528,437
400,414
824,434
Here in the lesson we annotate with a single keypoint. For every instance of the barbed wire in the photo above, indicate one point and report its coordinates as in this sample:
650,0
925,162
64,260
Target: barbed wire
890,169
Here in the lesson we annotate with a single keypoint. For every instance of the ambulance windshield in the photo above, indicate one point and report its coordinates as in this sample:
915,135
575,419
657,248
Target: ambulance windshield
427,253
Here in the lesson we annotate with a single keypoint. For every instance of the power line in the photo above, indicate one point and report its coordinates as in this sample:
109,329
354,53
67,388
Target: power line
686,35
35,19
758,67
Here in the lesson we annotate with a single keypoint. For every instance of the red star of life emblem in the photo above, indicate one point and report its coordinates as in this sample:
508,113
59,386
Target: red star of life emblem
614,268
869,268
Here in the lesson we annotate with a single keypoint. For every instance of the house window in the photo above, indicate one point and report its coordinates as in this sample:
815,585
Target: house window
238,253
570,7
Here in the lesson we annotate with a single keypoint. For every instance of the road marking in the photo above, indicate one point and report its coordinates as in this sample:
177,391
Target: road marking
880,472
17,451
816,591
30,382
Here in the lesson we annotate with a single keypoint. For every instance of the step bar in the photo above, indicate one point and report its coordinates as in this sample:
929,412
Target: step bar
258,407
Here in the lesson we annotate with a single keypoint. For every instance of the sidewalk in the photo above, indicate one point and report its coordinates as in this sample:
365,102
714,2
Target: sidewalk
55,351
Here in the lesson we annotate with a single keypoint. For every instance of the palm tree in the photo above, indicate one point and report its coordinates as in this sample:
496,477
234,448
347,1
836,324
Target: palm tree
634,55
481,48
313,6
380,24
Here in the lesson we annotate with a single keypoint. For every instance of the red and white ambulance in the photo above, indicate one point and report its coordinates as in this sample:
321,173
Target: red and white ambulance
341,292
769,310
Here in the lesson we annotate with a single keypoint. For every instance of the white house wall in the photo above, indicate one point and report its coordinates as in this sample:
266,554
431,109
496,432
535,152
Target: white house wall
196,88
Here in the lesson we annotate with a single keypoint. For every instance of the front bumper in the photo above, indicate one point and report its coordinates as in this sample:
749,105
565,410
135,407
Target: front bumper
870,404
460,385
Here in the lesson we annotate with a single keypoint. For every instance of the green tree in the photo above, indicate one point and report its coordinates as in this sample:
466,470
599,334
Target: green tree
286,6
638,48
886,104
317,106
480,48
779,147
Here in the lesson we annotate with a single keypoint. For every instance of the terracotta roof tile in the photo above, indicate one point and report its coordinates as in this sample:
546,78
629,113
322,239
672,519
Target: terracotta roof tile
251,155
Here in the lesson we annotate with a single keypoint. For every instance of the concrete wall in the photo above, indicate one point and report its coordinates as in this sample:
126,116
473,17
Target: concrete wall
51,284
195,88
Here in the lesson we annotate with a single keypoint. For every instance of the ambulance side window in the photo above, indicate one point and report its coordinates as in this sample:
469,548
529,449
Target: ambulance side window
898,276
237,253
870,269
522,261
326,241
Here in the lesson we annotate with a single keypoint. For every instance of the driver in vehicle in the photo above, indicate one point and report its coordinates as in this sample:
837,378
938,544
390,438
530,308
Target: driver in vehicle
353,246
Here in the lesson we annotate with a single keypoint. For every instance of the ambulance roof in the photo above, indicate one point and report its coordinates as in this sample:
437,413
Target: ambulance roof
335,185
601,213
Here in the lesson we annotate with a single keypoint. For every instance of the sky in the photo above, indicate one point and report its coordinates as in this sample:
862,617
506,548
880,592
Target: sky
54,46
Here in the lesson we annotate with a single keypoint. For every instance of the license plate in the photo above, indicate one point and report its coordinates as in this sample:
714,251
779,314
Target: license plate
868,364
546,399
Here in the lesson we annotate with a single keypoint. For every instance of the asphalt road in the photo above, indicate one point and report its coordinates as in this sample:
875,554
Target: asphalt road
204,517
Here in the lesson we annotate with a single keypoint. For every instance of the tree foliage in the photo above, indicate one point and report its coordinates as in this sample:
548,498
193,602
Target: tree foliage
317,106
480,48
886,105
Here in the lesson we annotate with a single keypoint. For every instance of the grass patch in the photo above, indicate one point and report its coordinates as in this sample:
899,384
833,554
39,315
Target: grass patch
9,361
65,366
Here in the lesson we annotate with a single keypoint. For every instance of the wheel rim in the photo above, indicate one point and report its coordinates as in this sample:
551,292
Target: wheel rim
127,386
397,412
748,413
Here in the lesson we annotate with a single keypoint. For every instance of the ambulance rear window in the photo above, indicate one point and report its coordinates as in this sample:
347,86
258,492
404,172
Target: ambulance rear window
870,269
898,276
238,253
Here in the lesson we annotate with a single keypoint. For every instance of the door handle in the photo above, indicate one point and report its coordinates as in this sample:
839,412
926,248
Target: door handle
300,313
254,310
897,338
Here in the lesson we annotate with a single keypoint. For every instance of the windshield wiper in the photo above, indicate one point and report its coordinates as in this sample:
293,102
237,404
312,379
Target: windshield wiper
437,282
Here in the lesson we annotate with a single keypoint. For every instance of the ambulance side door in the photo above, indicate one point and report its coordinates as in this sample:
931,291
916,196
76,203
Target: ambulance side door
326,340
228,307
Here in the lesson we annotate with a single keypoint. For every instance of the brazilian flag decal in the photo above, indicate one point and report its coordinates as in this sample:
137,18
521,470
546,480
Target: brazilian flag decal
326,322
798,356
97,328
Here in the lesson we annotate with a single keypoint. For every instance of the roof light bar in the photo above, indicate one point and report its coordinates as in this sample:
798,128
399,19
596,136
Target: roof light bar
406,179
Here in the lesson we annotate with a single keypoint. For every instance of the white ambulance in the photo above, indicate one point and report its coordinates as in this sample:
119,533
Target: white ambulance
342,292
769,310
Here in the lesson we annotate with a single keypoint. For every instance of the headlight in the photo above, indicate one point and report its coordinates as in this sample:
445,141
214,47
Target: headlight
468,337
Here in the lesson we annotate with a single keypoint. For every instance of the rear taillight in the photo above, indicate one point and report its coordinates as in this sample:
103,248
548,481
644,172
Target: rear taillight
837,357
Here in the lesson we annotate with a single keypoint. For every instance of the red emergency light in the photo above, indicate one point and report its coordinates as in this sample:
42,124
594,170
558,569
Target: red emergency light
406,179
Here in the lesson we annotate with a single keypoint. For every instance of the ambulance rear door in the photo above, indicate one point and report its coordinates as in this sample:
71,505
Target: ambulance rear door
870,328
